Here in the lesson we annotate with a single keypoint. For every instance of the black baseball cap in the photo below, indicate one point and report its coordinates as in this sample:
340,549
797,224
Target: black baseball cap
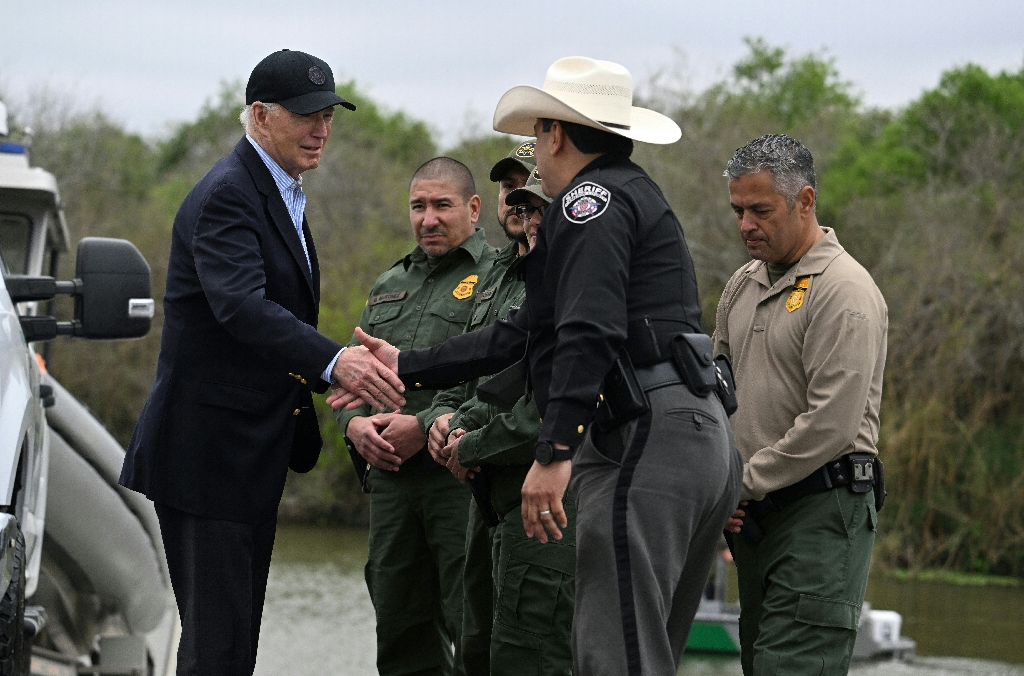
298,81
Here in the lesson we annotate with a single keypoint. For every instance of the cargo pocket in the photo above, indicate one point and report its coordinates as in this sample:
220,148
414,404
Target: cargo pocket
529,595
823,612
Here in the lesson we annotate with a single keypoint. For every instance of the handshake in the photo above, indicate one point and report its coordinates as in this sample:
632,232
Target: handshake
367,374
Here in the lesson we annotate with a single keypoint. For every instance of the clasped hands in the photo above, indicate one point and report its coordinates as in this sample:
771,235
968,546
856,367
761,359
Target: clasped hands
386,440
443,444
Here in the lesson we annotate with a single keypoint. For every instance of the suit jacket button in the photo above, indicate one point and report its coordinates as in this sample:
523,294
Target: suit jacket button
295,412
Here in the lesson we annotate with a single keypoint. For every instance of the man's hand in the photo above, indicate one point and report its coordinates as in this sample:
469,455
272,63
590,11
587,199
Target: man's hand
463,474
437,438
735,522
403,433
543,491
365,436
366,379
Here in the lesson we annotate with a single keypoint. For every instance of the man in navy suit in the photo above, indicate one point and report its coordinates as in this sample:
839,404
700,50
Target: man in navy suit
231,407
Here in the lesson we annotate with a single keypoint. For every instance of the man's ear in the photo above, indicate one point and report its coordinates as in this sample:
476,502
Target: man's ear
474,208
805,200
558,137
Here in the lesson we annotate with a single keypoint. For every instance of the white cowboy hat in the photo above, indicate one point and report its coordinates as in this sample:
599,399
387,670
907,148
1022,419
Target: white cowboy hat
594,93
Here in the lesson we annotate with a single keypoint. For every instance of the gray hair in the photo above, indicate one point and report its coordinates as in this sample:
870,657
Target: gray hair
786,159
246,116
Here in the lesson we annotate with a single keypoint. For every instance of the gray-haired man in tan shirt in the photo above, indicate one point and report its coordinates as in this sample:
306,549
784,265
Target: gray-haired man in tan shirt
805,327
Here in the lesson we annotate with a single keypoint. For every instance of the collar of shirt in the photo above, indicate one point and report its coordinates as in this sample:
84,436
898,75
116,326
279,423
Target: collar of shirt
474,246
290,189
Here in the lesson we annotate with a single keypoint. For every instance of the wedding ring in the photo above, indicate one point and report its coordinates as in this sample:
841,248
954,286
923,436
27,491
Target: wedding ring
546,512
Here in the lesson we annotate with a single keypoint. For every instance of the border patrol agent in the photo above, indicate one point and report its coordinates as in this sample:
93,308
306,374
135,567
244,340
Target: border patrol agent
417,509
500,289
533,583
805,326
609,282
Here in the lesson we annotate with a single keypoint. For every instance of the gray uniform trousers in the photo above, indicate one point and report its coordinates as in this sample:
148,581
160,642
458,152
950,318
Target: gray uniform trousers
653,498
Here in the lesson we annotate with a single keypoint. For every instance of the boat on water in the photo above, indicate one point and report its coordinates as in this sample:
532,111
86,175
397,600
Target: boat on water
716,627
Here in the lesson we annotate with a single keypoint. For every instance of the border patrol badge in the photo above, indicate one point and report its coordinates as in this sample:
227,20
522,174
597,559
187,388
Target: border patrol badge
465,288
525,151
796,296
585,202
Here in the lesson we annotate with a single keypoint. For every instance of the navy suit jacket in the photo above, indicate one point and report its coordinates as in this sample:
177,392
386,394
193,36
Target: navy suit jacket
239,355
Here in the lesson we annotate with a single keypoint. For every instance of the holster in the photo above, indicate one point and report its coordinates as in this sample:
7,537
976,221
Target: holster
480,486
361,466
622,398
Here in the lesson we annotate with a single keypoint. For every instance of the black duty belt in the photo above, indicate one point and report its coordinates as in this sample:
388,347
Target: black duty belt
856,469
661,374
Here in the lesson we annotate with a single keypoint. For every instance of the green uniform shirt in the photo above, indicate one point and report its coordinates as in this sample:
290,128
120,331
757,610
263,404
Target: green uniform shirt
502,437
415,305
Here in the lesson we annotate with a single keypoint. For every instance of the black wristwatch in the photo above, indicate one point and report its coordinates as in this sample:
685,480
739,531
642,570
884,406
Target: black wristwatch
546,454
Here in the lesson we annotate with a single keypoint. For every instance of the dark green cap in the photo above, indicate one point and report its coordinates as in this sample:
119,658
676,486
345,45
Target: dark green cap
521,156
532,187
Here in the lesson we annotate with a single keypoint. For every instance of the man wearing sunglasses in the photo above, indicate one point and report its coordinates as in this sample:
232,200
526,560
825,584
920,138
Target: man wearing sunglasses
517,608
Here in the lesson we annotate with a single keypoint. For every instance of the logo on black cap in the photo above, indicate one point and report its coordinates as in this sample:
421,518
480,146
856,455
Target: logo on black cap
317,75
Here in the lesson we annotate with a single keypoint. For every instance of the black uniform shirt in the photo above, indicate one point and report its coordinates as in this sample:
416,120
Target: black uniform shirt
610,267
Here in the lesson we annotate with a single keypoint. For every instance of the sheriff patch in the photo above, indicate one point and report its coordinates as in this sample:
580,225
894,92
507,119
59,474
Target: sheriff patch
465,288
525,151
796,296
386,298
585,202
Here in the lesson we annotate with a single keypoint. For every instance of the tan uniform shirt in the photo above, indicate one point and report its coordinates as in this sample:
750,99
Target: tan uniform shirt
808,353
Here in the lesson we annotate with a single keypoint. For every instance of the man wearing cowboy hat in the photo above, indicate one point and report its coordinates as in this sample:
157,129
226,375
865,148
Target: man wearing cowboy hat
609,282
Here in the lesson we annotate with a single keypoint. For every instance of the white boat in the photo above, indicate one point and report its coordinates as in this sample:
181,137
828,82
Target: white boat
716,627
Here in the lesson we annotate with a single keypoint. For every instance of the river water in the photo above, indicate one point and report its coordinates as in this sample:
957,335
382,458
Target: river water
318,619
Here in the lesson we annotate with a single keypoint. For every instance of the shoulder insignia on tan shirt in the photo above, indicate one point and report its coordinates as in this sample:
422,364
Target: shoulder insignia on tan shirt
465,288
796,296
386,297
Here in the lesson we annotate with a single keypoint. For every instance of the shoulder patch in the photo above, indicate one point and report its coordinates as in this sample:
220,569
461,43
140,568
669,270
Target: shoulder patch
585,202
386,297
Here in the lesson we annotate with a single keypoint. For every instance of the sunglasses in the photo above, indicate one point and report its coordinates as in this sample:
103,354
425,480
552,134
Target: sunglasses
525,212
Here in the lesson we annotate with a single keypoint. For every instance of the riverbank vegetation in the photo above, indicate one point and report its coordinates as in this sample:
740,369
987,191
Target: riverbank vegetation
928,198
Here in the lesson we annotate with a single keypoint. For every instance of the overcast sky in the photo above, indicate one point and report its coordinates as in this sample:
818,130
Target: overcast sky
149,63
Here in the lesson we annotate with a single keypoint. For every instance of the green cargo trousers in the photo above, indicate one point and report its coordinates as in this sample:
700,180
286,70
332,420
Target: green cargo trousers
533,599
473,659
801,587
414,570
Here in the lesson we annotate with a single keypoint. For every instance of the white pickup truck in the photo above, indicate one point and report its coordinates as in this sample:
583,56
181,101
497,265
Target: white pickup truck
83,581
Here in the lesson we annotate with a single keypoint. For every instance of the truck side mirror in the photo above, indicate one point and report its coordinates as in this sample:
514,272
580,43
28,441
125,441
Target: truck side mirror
116,288
112,290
